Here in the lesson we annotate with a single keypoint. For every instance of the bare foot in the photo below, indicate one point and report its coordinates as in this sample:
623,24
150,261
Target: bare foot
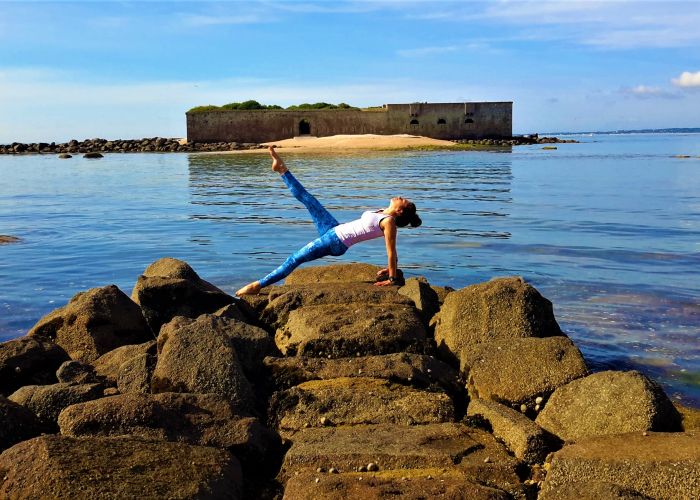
250,289
277,163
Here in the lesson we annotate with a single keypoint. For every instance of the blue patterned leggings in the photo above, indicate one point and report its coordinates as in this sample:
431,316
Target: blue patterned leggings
327,243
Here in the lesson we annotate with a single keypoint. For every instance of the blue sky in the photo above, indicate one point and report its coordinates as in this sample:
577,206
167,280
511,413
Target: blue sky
132,69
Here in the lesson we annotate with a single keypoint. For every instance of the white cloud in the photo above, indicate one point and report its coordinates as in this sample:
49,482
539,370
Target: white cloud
687,80
198,20
648,92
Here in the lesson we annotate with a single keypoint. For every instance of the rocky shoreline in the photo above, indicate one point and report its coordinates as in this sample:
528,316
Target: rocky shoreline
328,388
170,145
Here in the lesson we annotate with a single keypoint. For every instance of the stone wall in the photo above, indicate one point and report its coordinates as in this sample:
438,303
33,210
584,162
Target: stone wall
472,120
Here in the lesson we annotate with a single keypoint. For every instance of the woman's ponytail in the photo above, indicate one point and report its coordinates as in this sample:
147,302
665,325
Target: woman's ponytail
408,216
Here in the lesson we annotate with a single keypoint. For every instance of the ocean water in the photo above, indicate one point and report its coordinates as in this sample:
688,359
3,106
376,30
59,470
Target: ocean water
608,230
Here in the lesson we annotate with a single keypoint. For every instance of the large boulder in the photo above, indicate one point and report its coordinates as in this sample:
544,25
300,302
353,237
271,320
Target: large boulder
65,467
522,436
518,371
93,323
202,419
652,465
414,484
17,423
28,361
353,401
285,299
339,330
335,273
475,453
251,343
76,372
108,366
500,309
609,402
197,359
417,370
170,287
135,375
47,401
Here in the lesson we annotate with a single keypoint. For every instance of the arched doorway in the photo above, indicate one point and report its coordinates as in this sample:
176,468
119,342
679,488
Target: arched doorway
304,127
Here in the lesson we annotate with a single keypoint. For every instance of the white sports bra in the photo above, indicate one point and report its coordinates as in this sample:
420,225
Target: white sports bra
362,229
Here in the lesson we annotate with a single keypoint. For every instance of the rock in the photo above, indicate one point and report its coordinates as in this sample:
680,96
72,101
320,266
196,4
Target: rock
442,292
93,323
372,467
251,343
197,359
577,490
522,436
17,424
423,296
517,371
66,467
343,330
28,361
283,300
609,402
6,239
170,287
77,373
65,156
417,370
93,154
353,401
201,419
501,309
414,484
690,417
335,273
232,311
397,447
135,375
108,365
47,401
657,466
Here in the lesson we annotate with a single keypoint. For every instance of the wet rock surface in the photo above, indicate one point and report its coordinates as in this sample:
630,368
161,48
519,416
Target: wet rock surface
326,387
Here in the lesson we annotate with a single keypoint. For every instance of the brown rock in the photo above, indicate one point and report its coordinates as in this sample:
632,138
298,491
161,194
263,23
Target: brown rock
193,358
501,309
690,417
423,296
417,370
76,372
28,361
93,323
6,239
201,419
283,300
609,402
578,490
414,484
395,447
336,273
17,424
658,465
522,436
64,467
345,329
517,371
108,365
170,287
47,401
135,375
353,401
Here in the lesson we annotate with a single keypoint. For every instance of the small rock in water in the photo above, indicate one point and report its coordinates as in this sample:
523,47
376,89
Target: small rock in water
372,467
92,155
523,408
65,156
538,400
333,470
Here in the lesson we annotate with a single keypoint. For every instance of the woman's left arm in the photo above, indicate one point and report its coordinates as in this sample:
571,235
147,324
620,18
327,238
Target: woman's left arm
389,228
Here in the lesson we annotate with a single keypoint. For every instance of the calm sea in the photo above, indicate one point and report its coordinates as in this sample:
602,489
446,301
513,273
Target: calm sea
608,229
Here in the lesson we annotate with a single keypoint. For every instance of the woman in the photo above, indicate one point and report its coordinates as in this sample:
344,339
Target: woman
335,238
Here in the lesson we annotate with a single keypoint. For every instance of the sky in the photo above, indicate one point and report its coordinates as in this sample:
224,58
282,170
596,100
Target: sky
132,69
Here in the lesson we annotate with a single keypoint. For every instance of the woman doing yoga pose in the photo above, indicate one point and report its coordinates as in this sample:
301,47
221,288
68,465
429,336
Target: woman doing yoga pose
335,238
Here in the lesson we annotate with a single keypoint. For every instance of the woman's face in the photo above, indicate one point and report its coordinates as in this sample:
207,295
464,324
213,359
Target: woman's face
399,204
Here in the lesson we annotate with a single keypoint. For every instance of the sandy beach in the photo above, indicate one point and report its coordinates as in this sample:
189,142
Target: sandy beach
311,144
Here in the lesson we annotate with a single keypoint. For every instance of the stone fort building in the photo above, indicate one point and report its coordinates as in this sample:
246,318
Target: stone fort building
464,120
